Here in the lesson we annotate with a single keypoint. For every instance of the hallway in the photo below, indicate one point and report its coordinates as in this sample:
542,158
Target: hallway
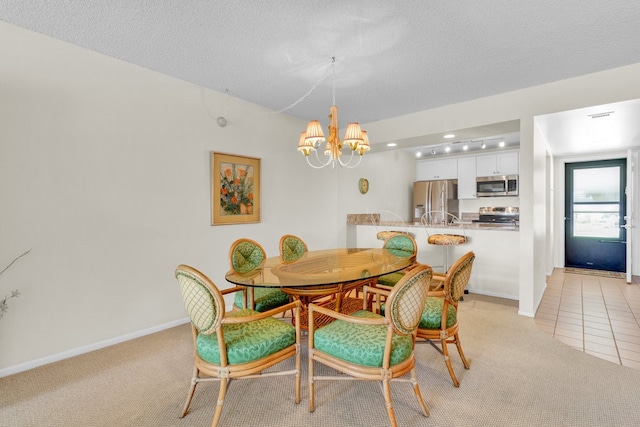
597,315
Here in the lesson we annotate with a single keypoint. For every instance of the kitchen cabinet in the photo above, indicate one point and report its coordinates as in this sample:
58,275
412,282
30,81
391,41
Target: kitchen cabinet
497,164
467,177
437,169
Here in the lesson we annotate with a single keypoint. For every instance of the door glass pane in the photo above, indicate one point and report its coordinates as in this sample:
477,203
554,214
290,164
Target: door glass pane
596,185
596,221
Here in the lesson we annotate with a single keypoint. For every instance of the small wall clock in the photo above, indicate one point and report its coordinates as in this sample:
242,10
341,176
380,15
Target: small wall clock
363,185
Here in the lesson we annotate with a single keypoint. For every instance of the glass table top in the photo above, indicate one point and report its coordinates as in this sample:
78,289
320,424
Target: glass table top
324,267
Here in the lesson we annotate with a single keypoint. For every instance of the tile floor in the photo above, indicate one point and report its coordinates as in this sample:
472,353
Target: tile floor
597,315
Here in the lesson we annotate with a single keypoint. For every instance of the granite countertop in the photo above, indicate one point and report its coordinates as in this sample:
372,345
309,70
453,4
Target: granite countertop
467,224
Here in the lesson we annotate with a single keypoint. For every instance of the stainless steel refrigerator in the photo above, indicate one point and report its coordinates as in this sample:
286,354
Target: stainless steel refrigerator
436,197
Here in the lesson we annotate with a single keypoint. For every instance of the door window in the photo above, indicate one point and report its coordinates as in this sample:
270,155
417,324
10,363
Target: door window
596,202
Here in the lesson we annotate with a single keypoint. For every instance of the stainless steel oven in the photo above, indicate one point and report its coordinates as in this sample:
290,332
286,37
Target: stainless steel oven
495,186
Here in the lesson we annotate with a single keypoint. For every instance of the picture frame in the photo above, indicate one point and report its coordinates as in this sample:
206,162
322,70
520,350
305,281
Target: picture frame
235,189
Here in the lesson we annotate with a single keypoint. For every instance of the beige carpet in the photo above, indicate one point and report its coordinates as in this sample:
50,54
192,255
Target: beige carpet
519,377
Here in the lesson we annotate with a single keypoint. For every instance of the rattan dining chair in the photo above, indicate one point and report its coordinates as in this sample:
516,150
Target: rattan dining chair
368,346
439,322
237,344
246,257
402,245
291,248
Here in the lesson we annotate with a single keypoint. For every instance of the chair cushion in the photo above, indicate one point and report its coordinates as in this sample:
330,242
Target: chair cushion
292,249
391,279
400,245
264,299
447,239
246,256
432,314
247,342
361,344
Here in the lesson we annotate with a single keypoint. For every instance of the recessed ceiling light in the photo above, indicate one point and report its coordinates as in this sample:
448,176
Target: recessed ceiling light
433,151
391,144
418,154
447,149
501,143
483,145
465,147
449,136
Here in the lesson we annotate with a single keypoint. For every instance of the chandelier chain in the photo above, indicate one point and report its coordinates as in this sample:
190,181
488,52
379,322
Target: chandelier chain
333,65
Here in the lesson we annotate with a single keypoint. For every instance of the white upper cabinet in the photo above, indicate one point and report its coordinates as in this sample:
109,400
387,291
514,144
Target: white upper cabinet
429,170
497,164
467,177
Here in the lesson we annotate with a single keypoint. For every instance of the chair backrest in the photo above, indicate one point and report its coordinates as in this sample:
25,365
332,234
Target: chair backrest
246,255
291,248
385,221
458,276
406,301
401,244
202,299
440,219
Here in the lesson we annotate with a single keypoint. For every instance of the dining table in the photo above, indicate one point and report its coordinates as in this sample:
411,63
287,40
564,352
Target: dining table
324,273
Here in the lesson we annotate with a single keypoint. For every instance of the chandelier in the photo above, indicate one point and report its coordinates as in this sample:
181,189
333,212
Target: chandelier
355,138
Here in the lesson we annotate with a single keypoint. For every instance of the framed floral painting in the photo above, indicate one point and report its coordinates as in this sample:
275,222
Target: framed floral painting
235,189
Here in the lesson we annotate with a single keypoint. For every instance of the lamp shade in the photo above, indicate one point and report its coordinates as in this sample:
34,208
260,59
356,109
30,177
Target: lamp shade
363,147
314,134
303,146
353,136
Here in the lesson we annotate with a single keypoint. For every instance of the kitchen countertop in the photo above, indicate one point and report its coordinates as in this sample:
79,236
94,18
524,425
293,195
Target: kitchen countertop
368,219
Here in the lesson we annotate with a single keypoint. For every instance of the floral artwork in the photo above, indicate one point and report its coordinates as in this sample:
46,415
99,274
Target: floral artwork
236,189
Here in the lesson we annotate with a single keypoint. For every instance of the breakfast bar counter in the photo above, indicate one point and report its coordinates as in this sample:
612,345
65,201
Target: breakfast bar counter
496,267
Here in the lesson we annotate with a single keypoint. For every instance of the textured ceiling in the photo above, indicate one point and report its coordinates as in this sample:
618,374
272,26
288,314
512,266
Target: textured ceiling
392,57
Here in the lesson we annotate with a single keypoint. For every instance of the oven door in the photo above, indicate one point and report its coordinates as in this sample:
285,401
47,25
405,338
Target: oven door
491,186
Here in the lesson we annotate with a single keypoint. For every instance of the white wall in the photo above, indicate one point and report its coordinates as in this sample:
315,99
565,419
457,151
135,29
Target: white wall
105,174
391,175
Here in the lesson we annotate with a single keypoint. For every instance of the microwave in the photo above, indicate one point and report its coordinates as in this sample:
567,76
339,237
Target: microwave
495,186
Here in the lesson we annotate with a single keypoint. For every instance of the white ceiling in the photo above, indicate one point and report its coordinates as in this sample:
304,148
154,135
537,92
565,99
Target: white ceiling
392,58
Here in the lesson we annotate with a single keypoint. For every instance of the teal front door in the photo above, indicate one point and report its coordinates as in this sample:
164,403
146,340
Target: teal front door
595,209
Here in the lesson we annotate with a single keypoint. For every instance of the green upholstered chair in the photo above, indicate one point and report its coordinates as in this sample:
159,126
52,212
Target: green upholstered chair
368,346
439,322
238,344
400,244
246,257
291,248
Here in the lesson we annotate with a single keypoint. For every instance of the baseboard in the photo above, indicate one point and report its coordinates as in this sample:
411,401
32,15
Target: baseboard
493,294
11,370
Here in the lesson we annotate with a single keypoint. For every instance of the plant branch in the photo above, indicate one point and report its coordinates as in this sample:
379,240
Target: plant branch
15,259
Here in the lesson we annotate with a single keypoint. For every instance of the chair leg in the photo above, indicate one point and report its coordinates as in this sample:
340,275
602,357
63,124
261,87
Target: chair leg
416,390
312,405
298,377
447,360
459,346
387,398
192,389
224,382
